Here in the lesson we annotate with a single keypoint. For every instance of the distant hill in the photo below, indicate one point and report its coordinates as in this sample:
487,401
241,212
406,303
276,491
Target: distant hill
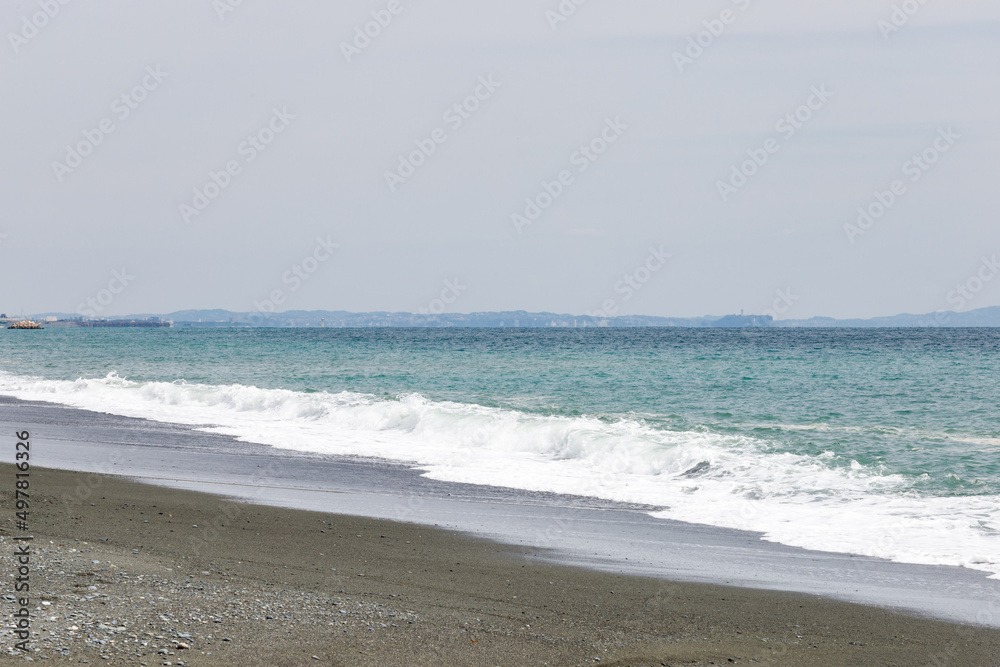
982,317
518,318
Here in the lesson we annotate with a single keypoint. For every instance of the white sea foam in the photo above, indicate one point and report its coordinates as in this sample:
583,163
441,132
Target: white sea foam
696,476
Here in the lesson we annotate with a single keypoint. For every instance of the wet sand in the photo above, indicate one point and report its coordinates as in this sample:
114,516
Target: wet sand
569,530
291,587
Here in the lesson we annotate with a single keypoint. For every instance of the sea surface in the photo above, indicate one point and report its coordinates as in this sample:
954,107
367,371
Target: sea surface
883,442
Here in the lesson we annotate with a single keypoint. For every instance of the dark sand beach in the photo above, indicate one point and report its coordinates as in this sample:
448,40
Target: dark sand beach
343,561
137,574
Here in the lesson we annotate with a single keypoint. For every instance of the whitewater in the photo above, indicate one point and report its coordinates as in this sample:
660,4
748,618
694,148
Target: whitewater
743,478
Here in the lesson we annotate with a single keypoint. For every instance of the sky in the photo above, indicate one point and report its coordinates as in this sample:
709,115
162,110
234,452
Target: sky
584,156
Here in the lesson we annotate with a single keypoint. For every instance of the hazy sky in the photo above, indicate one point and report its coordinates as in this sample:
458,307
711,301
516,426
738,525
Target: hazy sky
286,119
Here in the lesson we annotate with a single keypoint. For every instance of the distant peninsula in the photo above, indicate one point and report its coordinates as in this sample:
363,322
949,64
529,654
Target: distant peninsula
982,317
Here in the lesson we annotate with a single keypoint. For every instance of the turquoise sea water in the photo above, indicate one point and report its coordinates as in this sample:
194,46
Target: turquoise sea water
888,438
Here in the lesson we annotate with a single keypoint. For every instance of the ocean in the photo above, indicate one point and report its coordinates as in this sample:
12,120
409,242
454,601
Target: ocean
882,442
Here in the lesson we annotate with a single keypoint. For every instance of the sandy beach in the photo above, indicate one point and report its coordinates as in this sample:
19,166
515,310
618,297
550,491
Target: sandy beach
139,574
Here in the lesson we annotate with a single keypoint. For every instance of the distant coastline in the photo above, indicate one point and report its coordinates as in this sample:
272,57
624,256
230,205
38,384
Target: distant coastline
982,317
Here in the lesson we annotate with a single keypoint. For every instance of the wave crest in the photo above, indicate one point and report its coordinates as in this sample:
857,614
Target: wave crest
818,502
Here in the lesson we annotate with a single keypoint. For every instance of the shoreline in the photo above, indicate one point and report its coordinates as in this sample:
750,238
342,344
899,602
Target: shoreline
693,590
569,530
285,585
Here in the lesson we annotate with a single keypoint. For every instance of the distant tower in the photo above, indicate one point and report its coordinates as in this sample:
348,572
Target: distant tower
322,323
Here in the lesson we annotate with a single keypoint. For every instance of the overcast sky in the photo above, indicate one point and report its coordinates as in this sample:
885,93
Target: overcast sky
311,118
